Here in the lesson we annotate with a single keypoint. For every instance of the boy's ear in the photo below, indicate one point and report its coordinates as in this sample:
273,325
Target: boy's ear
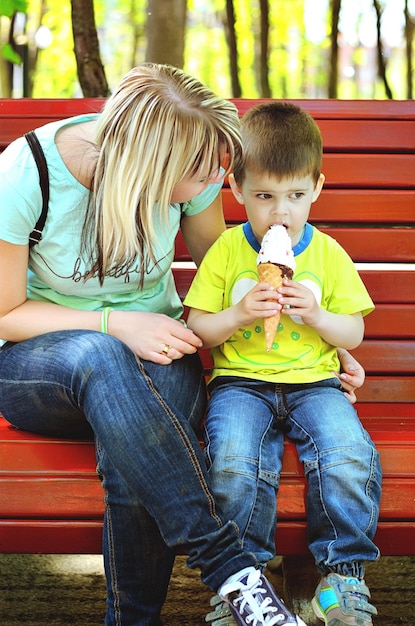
236,190
318,187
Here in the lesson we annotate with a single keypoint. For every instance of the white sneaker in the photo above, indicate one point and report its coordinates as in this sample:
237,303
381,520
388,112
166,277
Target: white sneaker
252,601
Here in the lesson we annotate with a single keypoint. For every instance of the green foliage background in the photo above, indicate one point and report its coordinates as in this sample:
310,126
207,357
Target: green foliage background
298,66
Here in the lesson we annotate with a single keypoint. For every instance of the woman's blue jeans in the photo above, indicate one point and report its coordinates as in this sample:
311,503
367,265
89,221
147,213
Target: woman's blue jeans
245,426
157,493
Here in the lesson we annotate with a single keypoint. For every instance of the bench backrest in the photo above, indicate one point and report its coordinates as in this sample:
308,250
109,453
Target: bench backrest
367,204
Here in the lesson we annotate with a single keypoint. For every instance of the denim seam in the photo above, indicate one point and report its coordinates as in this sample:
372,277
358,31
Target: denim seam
110,543
186,444
373,518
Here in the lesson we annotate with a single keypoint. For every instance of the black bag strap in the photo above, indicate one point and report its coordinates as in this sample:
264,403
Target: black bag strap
36,148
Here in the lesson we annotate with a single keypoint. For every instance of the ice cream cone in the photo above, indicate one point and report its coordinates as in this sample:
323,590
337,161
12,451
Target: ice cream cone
275,262
270,328
272,274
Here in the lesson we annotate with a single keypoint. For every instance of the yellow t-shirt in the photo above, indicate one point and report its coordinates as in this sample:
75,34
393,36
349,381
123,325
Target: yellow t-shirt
299,354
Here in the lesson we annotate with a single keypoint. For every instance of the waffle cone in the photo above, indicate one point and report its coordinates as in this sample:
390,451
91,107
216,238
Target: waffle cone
272,274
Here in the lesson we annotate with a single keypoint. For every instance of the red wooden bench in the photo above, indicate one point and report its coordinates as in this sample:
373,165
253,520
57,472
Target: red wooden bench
50,497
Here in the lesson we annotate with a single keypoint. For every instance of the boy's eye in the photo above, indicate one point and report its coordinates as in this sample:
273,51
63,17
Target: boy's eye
264,196
296,195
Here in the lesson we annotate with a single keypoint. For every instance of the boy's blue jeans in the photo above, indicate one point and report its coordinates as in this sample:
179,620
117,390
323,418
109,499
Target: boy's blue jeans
245,426
143,416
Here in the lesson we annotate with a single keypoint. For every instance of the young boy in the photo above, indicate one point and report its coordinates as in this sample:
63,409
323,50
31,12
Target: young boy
257,397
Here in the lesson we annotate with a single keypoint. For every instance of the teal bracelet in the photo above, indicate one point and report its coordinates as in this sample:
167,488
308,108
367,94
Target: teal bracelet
104,319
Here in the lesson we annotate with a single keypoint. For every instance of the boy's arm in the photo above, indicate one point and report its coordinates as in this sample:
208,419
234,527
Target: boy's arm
345,331
212,328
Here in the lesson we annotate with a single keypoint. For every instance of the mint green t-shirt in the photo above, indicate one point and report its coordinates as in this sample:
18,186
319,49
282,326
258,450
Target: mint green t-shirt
56,268
299,354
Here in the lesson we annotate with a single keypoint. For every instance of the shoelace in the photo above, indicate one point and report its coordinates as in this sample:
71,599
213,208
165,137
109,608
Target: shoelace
245,596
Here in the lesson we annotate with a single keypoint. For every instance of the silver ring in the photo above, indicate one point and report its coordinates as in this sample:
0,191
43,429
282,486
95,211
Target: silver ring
166,349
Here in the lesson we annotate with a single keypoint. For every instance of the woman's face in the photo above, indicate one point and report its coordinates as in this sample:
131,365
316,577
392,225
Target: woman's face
193,184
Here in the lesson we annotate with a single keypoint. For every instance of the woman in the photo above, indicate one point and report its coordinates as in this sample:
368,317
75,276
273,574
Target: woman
92,319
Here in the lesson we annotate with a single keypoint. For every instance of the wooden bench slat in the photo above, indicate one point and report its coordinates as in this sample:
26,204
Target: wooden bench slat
51,497
398,415
23,116
383,136
369,171
46,536
386,356
396,501
379,136
391,319
326,108
347,206
376,244
323,108
291,537
85,537
397,286
385,389
365,206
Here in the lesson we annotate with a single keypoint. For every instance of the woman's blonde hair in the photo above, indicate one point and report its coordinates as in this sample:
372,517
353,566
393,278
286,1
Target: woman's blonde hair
159,126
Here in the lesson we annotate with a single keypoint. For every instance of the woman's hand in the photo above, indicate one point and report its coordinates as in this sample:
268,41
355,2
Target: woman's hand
153,336
351,376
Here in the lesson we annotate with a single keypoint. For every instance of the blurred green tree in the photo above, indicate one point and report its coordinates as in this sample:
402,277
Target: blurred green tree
240,48
11,51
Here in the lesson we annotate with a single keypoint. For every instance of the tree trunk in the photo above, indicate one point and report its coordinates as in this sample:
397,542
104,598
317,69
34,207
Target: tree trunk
166,20
233,49
380,55
264,50
138,32
91,73
409,38
335,6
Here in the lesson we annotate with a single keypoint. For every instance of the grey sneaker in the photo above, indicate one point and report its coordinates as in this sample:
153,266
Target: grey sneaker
252,601
222,615
343,601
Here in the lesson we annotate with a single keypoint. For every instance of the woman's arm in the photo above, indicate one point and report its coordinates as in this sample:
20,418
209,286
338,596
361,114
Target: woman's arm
21,318
201,230
352,374
147,334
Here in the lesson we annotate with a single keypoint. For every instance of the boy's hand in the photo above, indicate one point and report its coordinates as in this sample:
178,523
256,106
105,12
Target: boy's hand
260,301
297,299
344,330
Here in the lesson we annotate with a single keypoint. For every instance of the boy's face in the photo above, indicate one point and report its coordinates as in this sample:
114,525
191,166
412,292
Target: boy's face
269,201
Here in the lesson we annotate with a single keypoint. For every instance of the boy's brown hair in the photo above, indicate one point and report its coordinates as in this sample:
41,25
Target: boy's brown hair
280,139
